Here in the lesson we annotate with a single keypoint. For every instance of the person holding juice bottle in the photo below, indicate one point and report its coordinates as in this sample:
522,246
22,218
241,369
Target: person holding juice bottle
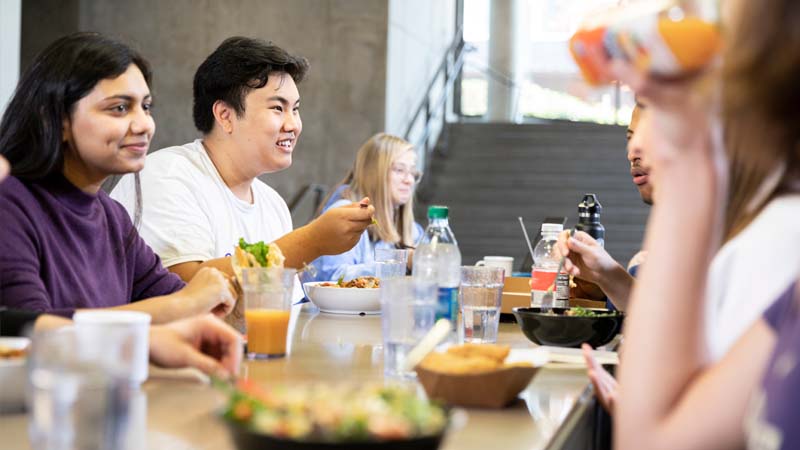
665,38
752,392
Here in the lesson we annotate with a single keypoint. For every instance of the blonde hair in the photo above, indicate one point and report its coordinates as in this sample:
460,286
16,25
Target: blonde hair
371,177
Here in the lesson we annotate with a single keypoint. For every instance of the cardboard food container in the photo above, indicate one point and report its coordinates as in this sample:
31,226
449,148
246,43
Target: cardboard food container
494,389
517,293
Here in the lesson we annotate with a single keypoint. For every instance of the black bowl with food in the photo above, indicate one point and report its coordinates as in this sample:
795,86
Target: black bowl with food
569,327
247,439
333,417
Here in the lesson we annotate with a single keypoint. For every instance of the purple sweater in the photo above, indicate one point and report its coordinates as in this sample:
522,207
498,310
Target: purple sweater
62,249
774,414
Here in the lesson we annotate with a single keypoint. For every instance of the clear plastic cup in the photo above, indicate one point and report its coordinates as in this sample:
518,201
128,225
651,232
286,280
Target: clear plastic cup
267,295
390,262
408,310
75,400
479,296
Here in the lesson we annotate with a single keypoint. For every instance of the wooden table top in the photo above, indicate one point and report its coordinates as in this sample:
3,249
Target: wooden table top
181,408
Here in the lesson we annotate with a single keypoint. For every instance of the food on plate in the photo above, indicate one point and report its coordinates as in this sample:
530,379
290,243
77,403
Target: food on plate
257,254
469,359
360,282
334,414
9,353
583,312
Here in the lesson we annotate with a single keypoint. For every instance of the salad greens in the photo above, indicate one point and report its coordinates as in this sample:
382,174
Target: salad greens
579,311
259,250
326,413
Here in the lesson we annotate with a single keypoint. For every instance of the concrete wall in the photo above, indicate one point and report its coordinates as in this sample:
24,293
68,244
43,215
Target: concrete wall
10,24
343,98
419,33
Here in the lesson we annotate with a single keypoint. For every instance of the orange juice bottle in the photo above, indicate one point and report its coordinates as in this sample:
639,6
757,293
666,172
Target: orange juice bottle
666,38
266,331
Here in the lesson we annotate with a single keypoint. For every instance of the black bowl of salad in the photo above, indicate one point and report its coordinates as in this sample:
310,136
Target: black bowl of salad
333,417
570,327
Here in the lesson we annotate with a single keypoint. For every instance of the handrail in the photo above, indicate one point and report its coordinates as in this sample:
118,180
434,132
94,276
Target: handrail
495,74
450,67
441,102
318,189
500,77
456,46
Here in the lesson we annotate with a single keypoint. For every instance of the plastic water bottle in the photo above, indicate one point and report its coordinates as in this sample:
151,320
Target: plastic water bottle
437,257
545,263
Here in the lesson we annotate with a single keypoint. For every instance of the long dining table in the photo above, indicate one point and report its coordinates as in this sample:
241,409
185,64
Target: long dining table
179,409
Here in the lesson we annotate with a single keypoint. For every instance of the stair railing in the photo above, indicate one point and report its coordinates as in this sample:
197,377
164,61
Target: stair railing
447,73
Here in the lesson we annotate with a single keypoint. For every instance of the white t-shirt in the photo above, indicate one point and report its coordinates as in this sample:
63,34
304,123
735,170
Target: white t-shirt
750,271
190,214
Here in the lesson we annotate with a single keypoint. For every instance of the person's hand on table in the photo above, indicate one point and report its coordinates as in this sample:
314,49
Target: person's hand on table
339,229
203,342
211,291
605,385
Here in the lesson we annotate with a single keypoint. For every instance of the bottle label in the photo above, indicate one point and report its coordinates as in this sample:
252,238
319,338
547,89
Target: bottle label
541,281
562,291
447,304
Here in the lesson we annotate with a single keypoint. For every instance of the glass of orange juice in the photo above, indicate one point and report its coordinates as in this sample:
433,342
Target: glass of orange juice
267,300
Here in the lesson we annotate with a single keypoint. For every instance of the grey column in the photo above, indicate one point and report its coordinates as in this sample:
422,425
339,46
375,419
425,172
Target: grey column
502,59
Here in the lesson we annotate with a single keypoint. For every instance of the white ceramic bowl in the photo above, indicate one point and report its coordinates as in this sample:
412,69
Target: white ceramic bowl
12,376
337,300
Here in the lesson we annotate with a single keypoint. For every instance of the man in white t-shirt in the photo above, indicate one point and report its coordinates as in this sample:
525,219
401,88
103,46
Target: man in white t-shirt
200,198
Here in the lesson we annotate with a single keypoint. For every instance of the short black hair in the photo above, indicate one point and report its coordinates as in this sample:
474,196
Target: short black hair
236,67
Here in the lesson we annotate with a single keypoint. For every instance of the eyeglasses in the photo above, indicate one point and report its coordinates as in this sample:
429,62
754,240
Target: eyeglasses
404,172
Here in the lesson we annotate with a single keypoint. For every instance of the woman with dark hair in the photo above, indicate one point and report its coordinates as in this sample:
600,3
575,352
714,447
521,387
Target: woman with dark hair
750,397
80,114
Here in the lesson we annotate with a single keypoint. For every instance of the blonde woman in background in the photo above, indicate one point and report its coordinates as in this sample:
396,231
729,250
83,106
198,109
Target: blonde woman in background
385,170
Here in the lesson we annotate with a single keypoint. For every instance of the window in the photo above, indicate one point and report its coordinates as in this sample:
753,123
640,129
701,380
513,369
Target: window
547,83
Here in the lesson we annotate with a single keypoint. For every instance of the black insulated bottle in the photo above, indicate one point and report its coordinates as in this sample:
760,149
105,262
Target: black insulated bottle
589,218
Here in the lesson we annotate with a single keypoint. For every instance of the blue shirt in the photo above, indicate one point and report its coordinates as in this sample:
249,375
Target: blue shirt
358,261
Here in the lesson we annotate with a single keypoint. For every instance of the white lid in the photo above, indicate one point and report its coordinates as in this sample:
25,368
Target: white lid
110,317
552,228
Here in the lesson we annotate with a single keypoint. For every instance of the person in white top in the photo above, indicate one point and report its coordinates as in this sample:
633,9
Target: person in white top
741,282
198,199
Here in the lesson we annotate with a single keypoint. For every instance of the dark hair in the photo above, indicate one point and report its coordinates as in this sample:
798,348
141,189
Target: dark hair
31,135
236,67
